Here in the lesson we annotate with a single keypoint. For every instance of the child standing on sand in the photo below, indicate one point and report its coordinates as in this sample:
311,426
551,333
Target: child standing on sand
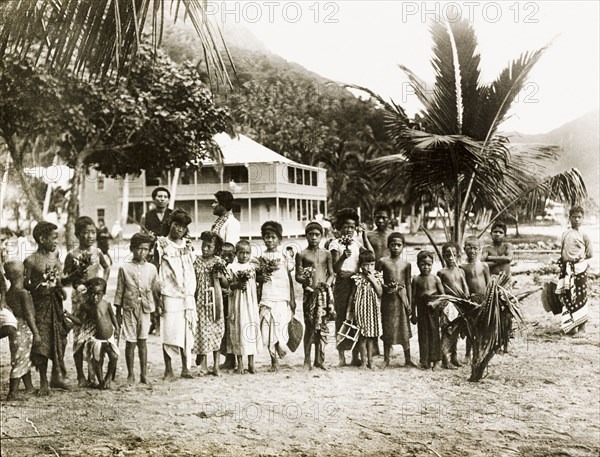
103,342
424,288
364,300
477,276
137,296
243,309
314,270
454,282
19,301
210,279
395,303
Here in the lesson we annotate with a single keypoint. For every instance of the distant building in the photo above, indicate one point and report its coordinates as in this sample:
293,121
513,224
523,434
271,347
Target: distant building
265,184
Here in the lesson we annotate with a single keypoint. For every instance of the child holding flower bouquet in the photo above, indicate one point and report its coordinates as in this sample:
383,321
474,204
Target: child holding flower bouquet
210,280
243,309
82,264
277,303
314,270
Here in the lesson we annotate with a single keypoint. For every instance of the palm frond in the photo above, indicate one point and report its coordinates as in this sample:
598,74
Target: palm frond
99,36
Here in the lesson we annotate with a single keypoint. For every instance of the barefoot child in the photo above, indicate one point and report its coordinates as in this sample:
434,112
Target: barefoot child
210,279
42,279
81,264
477,275
424,287
177,279
344,254
228,256
243,309
364,300
19,301
499,254
136,297
314,270
454,282
576,249
103,342
277,303
395,303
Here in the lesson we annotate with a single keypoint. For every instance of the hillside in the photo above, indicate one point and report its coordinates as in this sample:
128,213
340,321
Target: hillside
580,144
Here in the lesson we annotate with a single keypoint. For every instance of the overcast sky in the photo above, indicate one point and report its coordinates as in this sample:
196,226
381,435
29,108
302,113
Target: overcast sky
362,42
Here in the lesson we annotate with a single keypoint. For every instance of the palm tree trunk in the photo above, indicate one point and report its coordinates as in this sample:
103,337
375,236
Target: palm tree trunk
73,204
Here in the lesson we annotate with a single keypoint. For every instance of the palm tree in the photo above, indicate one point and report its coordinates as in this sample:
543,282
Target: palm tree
100,36
454,155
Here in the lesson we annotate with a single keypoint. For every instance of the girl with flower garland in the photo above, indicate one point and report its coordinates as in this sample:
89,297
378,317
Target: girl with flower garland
344,252
177,279
42,279
243,309
277,303
210,280
82,264
364,300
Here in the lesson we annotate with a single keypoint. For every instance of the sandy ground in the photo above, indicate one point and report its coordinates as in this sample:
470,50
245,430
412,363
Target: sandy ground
543,399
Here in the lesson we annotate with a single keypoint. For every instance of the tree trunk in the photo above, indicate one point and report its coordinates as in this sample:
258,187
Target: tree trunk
517,234
73,205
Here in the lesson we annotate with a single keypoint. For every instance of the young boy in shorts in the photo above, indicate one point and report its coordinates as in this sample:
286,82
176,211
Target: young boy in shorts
137,296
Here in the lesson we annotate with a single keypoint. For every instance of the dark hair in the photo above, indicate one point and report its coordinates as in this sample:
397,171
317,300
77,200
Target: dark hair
366,256
241,243
272,226
422,255
43,229
383,207
343,215
160,189
313,226
140,238
95,283
81,223
225,199
179,216
228,245
10,269
500,225
395,235
451,244
212,237
576,209
470,239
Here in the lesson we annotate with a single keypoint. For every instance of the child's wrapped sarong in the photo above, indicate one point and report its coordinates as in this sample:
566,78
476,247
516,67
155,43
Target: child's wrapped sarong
21,350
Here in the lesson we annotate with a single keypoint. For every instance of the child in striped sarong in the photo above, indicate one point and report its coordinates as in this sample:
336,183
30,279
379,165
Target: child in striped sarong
364,300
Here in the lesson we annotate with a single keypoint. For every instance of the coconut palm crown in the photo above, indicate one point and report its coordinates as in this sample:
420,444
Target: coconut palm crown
452,153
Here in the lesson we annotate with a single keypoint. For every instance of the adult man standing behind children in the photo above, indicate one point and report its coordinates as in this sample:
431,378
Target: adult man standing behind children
155,221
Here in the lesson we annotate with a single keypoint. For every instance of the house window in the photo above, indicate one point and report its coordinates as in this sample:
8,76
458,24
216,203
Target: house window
299,176
154,179
186,177
237,174
99,181
100,215
291,175
208,175
307,177
314,178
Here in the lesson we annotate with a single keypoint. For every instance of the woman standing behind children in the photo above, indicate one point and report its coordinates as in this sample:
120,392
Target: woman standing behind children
177,278
277,304
344,252
364,299
210,279
82,264
243,309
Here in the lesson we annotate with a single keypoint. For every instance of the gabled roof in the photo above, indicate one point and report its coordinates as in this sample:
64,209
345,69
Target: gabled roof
242,150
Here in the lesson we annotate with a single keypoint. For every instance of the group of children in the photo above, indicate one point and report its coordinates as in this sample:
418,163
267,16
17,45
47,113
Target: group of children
224,301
